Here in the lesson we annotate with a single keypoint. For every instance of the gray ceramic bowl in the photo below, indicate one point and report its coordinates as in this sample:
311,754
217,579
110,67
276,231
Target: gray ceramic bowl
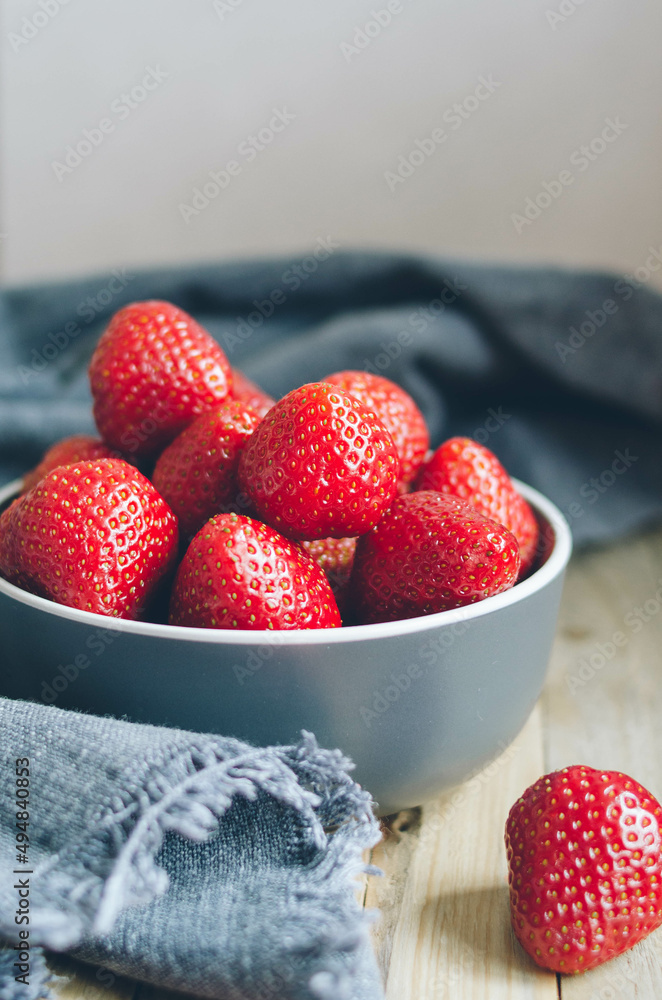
418,705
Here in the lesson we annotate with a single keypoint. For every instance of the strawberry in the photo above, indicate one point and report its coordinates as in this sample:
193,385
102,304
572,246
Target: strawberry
78,448
197,472
430,553
94,535
240,574
250,394
396,410
584,867
320,464
336,557
154,370
465,469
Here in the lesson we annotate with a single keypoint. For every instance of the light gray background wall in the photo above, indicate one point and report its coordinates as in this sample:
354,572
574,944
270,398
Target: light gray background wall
229,63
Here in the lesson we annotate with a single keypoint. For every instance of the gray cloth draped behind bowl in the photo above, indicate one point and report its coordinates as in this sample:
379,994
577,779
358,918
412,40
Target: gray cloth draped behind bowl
558,372
258,850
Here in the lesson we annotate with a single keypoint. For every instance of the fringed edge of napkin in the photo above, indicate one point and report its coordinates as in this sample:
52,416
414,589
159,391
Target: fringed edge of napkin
123,845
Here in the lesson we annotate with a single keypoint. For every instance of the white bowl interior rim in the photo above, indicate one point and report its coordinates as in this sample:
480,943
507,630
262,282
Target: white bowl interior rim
553,566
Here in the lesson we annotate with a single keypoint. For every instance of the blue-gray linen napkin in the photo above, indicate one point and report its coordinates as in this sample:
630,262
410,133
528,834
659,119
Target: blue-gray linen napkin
190,861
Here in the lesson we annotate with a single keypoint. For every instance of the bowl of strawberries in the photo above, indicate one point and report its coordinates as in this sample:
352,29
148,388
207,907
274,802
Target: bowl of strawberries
224,562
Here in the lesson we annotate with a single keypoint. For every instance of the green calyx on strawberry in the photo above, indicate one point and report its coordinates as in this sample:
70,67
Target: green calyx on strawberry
95,535
240,574
584,867
467,470
197,473
320,464
430,553
396,410
154,370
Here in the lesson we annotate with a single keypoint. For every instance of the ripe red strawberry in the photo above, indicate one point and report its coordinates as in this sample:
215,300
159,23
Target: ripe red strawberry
320,464
430,553
240,574
78,448
154,370
250,394
584,867
95,536
396,410
465,469
336,557
197,472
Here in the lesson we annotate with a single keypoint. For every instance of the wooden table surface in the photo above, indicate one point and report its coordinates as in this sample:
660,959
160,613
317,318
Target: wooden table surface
444,929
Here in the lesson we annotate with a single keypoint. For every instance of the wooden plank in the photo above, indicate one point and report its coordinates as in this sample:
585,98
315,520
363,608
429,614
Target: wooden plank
393,855
77,981
450,936
603,707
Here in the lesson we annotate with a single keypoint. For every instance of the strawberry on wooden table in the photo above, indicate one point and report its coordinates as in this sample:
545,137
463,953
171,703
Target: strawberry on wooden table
240,574
397,411
584,867
197,473
77,448
154,370
465,469
94,535
320,464
430,553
